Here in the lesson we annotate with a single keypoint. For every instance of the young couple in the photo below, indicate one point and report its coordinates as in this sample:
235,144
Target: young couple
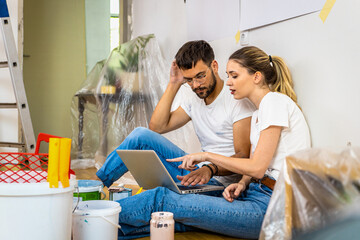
244,138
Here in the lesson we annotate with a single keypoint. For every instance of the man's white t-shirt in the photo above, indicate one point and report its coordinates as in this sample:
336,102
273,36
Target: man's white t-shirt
277,109
213,123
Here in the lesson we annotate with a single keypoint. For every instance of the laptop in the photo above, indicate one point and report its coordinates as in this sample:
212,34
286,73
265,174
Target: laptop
149,172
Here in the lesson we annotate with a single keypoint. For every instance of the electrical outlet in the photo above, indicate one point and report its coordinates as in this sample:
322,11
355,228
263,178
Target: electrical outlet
244,38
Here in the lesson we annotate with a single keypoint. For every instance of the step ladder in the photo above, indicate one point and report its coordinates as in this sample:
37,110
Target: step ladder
17,81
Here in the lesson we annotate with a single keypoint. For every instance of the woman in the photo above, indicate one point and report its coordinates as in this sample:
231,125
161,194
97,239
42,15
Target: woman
278,129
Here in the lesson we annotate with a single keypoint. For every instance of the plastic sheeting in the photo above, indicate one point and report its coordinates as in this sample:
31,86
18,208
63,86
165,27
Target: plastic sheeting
315,188
119,94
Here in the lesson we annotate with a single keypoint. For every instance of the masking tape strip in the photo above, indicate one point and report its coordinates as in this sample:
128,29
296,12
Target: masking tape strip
326,9
237,37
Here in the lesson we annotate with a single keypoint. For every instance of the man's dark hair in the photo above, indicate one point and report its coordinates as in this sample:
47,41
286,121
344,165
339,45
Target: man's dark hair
192,52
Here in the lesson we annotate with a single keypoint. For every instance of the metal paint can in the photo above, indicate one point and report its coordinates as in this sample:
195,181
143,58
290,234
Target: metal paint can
119,192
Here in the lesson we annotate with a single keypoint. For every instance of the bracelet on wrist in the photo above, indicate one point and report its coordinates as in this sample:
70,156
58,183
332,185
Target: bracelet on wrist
216,169
211,170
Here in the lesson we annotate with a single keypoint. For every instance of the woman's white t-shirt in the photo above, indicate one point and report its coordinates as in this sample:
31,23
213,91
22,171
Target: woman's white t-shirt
277,109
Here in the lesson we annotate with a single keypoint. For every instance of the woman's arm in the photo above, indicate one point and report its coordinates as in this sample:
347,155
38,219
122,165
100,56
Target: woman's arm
254,167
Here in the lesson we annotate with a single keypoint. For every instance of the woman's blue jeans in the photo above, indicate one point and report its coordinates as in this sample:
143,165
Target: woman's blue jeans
241,218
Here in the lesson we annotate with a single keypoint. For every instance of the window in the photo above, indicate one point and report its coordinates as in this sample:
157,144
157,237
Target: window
114,24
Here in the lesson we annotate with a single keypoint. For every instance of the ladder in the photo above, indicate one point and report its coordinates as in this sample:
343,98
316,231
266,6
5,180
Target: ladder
17,82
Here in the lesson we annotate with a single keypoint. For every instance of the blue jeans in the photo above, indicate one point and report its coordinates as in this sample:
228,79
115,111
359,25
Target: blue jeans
144,139
241,218
208,211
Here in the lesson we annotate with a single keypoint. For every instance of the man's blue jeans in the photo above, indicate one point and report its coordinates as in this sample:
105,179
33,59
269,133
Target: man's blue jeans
144,139
241,218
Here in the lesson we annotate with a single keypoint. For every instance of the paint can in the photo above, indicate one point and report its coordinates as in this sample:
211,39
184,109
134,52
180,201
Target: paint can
162,226
97,219
89,190
119,192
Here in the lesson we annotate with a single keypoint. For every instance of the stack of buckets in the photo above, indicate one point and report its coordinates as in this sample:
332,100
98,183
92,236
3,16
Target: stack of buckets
30,206
94,219
33,211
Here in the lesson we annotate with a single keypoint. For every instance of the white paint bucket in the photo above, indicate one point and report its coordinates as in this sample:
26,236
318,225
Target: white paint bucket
97,219
33,211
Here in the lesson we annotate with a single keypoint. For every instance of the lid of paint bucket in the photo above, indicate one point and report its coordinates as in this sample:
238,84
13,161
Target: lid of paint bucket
97,208
162,215
33,189
89,186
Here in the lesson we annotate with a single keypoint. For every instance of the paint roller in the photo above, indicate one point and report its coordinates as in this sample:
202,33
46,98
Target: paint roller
59,162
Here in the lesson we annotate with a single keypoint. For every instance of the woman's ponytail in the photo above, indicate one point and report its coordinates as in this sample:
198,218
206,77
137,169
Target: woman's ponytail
283,80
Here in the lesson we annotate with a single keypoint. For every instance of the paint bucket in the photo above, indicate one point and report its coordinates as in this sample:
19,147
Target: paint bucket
33,211
119,192
98,219
89,190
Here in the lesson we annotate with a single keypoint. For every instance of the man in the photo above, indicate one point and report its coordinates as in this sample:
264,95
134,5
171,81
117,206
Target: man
221,123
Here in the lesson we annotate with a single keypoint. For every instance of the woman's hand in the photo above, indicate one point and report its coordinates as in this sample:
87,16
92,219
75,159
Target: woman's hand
189,161
233,191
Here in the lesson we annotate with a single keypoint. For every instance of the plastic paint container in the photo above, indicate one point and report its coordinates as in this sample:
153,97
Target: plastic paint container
89,190
162,226
94,220
33,211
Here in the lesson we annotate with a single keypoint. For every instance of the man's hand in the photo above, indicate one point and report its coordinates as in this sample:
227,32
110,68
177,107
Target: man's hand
199,176
175,74
233,191
189,161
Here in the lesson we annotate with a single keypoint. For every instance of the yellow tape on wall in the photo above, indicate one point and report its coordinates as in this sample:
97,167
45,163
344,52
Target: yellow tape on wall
326,9
237,37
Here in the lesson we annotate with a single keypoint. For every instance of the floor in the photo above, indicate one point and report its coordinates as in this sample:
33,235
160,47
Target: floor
90,174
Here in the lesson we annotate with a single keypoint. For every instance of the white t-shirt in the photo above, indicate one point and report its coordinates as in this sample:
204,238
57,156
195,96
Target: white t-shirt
277,109
213,123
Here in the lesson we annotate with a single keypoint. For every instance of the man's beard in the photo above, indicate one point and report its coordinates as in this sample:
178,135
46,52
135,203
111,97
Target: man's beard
209,89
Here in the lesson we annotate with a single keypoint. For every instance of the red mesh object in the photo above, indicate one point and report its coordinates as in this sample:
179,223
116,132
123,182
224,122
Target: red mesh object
26,167
23,167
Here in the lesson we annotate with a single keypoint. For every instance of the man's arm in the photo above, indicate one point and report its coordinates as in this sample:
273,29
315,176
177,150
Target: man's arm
162,120
241,132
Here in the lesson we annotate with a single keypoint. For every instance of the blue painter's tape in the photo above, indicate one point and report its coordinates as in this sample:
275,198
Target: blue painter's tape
4,12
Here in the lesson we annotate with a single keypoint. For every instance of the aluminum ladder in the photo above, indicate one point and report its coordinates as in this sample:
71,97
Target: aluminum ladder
17,82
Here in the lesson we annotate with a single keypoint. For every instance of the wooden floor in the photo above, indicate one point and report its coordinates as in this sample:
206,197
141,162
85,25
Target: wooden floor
90,174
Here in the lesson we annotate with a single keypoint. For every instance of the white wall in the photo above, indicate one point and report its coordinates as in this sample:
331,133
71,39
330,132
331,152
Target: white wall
167,20
323,58
8,117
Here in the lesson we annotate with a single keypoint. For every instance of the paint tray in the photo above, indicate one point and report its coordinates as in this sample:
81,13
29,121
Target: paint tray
26,167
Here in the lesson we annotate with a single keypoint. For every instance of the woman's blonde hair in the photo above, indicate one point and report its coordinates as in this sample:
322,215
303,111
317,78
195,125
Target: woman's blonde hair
276,73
